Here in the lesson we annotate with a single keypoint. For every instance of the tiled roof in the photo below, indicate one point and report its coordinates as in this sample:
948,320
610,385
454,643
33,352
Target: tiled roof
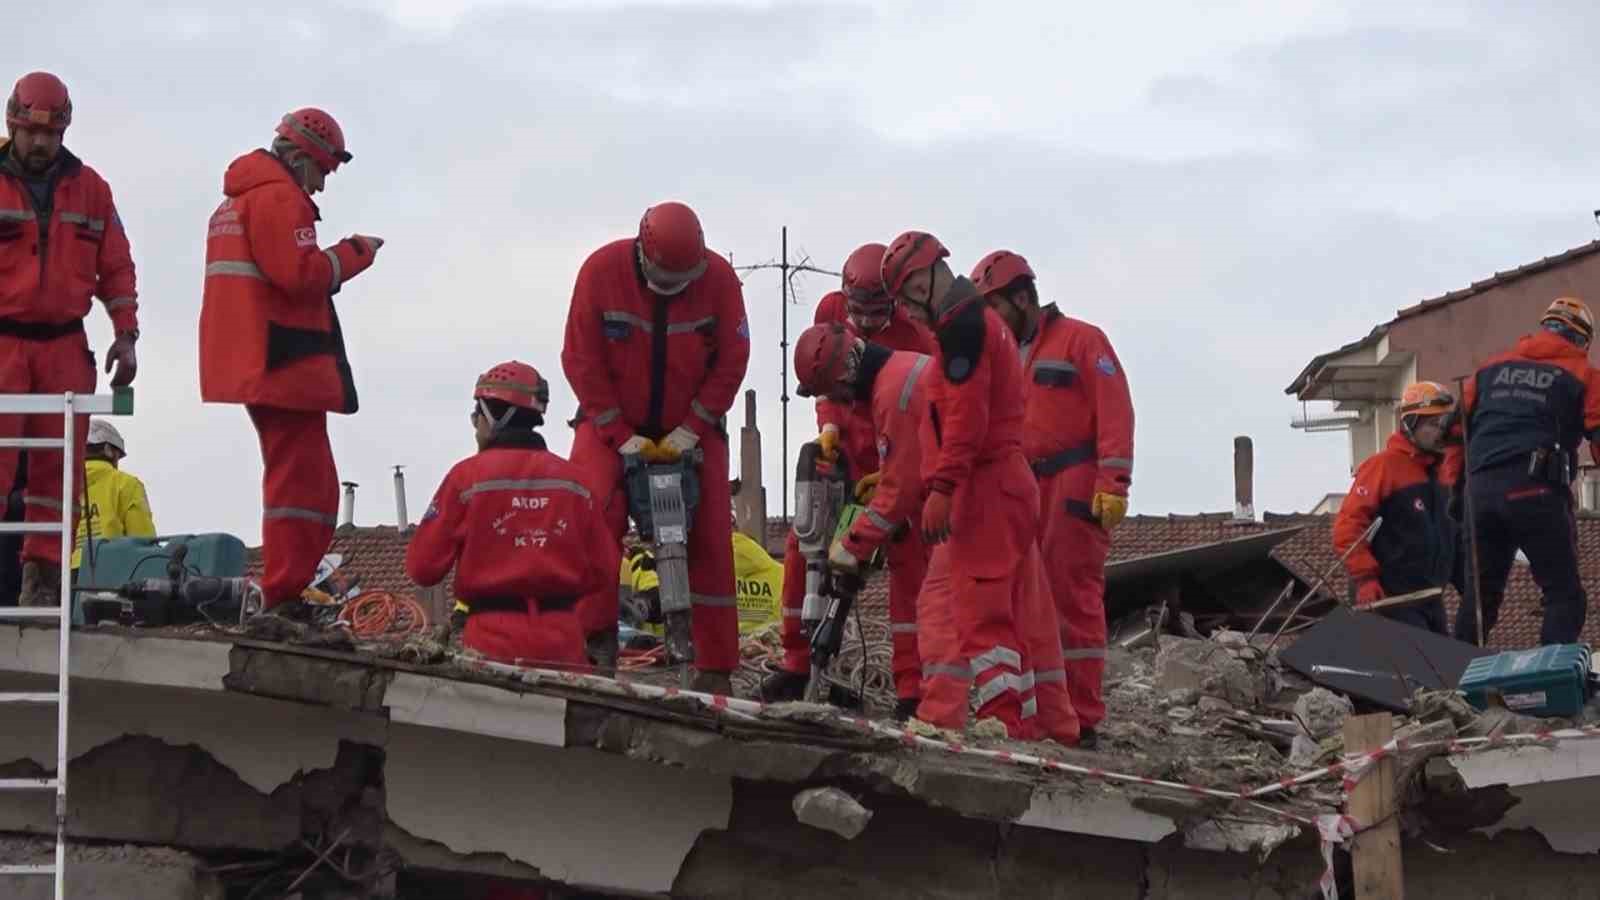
376,554
1498,278
1309,554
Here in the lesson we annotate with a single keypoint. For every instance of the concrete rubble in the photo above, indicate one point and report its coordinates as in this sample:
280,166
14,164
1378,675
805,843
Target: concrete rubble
832,810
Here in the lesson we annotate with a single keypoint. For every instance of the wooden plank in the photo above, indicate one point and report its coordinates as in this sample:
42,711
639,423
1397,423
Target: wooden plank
1404,599
1375,852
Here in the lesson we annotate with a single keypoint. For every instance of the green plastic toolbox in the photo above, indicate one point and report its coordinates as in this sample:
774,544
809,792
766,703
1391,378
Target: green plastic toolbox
115,562
1544,681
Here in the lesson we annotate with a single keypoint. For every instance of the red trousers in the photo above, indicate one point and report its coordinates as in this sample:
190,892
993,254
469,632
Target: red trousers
715,605
908,566
300,505
1055,705
540,639
45,367
1075,551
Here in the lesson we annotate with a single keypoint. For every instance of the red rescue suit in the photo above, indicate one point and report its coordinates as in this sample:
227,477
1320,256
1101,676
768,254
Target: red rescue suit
53,260
1077,434
985,620
906,555
270,340
527,542
645,364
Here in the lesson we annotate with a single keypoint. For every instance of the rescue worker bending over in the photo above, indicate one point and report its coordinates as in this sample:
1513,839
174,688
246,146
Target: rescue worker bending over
521,530
866,311
1405,483
61,245
118,506
1527,411
986,620
1077,433
270,337
656,347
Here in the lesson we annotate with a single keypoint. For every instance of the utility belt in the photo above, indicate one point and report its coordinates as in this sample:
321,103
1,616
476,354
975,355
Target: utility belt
1550,465
519,605
1066,459
39,331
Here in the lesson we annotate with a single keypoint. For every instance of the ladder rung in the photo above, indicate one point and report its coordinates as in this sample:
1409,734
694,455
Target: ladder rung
43,697
30,612
30,527
33,443
27,784
28,870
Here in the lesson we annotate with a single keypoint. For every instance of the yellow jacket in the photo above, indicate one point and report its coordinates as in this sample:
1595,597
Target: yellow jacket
758,577
117,507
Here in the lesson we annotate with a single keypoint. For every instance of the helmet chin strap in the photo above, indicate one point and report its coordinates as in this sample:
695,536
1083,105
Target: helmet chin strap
496,425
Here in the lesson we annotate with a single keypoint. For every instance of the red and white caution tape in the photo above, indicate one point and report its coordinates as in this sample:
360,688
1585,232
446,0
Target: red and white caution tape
1333,830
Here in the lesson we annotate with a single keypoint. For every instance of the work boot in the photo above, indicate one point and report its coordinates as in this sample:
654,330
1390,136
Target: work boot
280,623
783,686
906,708
602,647
41,584
1088,739
712,683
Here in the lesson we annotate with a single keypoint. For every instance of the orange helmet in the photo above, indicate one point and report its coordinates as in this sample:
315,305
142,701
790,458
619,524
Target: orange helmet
908,254
672,247
315,132
39,100
1573,314
1426,398
822,358
515,383
997,270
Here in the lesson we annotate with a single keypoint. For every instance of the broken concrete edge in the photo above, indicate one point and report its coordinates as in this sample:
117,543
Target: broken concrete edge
360,684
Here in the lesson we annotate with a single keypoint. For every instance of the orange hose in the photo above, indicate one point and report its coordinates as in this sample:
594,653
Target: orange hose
381,614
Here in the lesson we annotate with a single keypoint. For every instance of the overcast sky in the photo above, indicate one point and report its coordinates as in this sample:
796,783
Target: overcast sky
1227,189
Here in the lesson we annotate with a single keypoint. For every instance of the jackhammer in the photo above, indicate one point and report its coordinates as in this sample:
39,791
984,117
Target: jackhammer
839,593
177,599
661,500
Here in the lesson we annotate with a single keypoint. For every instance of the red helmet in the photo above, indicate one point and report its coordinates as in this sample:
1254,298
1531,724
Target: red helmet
315,132
910,253
997,270
821,358
516,383
863,282
672,247
39,101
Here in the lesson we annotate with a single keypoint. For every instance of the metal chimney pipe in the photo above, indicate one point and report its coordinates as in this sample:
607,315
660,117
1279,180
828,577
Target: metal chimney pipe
348,515
400,499
1244,468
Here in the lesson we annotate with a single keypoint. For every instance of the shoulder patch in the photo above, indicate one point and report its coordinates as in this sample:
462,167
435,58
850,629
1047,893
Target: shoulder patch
744,328
1105,365
961,342
432,513
305,237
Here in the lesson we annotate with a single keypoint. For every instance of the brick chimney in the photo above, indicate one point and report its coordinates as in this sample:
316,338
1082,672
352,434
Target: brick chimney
1244,473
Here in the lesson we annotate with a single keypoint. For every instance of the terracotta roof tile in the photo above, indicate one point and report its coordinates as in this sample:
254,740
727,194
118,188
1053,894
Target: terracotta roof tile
1499,278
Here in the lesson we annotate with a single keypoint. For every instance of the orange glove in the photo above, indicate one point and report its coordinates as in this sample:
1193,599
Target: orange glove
866,486
936,518
828,440
1110,509
1368,592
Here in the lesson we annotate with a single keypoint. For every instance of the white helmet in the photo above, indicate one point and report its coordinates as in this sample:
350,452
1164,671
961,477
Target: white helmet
103,432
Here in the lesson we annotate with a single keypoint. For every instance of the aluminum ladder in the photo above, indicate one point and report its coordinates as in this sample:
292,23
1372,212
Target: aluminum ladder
119,402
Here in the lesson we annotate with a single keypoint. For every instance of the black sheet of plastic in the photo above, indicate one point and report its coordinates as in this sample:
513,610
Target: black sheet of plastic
1377,660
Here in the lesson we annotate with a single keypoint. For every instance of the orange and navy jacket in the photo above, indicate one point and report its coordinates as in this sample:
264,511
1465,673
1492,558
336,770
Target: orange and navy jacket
269,334
1540,395
645,364
51,268
975,395
899,403
517,523
1415,547
1079,410
854,420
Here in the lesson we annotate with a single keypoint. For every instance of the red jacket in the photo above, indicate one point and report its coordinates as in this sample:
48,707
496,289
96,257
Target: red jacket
48,274
899,404
1415,547
854,420
517,523
269,334
1079,410
646,364
976,394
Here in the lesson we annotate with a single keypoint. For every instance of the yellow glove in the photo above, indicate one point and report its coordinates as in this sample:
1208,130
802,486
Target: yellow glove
828,440
866,486
842,560
1110,509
